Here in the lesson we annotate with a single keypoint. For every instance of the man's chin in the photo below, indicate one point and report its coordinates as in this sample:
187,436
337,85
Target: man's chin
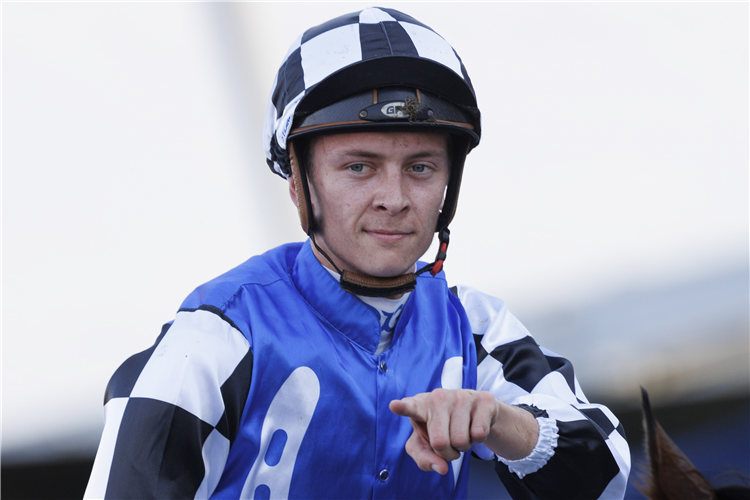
386,270
389,264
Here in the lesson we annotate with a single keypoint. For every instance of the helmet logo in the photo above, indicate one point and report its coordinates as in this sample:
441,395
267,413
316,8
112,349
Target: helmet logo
389,111
394,110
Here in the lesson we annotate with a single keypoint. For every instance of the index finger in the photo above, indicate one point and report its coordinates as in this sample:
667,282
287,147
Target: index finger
406,407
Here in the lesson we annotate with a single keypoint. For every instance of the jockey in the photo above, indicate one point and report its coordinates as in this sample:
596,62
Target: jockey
341,367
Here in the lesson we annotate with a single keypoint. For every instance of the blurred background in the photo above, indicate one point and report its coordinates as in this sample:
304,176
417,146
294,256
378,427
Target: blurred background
607,204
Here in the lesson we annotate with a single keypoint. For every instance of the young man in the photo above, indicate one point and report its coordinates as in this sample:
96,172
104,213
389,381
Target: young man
341,367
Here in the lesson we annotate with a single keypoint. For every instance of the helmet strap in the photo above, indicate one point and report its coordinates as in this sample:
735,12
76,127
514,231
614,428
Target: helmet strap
304,206
444,237
461,147
304,203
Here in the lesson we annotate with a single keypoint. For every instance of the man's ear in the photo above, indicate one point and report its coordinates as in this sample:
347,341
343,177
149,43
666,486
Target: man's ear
293,191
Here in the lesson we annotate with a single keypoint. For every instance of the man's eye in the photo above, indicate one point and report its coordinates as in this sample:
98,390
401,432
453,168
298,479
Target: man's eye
418,168
357,167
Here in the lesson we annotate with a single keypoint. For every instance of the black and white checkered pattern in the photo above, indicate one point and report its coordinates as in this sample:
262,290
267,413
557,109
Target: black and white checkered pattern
592,458
172,412
350,40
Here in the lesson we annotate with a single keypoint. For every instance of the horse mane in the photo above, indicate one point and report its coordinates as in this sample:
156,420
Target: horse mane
669,474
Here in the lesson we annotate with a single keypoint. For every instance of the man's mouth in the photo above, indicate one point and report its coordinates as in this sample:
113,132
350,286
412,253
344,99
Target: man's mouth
387,235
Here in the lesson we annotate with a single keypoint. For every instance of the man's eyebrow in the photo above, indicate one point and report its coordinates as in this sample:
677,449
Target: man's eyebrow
361,153
427,153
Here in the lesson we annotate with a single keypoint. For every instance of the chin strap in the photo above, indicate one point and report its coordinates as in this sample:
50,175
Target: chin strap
370,286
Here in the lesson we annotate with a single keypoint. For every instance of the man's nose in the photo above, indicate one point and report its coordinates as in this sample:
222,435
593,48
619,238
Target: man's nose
391,194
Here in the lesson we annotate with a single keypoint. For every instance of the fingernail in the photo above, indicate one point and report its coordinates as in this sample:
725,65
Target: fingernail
435,468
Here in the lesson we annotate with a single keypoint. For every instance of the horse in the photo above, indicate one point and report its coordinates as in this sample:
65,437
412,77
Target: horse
669,474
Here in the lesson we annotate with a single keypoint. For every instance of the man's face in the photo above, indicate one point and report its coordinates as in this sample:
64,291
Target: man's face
377,196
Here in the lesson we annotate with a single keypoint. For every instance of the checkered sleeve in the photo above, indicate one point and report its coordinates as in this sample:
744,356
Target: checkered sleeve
173,411
581,451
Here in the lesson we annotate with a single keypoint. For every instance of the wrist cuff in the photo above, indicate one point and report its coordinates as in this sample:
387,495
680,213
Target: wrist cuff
542,452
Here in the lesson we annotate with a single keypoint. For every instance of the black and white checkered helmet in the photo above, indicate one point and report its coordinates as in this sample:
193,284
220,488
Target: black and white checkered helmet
330,73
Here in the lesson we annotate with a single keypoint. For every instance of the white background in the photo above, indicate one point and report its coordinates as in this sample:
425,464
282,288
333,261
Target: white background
614,156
